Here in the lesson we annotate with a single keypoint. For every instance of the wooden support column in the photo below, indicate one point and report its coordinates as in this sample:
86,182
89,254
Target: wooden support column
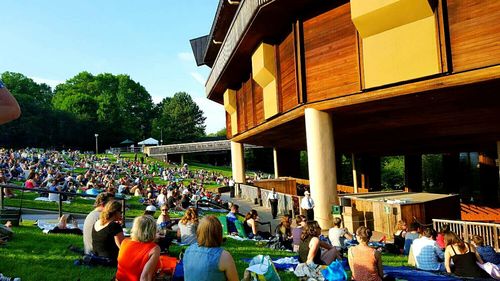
451,172
321,162
238,162
413,172
286,163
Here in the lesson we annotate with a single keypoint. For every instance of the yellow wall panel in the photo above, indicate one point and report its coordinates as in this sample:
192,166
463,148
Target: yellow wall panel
264,73
230,101
270,100
375,16
234,123
402,53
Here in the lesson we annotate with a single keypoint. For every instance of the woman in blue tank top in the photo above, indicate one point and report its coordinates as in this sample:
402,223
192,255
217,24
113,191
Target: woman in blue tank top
206,260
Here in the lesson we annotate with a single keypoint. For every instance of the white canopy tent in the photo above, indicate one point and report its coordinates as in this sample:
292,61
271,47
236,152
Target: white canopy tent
149,141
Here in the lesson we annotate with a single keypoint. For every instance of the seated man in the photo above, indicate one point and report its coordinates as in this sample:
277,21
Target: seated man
427,254
231,218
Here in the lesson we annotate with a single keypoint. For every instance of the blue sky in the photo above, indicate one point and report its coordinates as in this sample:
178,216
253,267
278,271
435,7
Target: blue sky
51,41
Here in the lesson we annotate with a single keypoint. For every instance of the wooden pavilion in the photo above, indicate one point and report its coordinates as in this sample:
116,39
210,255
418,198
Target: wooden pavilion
360,77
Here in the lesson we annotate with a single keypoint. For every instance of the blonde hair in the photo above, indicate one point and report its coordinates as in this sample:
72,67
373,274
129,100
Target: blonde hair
209,232
400,224
190,216
110,210
144,229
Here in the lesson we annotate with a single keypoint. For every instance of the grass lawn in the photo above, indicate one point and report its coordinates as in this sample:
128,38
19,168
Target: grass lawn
33,255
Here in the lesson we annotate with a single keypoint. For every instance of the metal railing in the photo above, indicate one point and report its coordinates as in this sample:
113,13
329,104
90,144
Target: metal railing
465,229
194,147
59,199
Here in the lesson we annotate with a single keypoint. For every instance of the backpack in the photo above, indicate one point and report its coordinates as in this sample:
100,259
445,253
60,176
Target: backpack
334,272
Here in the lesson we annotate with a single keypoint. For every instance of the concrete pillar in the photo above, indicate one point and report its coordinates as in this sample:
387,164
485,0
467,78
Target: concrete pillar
321,163
182,159
413,172
238,162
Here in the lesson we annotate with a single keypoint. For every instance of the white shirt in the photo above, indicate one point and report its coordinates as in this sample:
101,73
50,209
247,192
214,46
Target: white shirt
272,195
307,203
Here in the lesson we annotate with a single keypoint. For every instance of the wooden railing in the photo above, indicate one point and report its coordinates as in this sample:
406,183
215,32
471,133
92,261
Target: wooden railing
282,185
350,189
465,229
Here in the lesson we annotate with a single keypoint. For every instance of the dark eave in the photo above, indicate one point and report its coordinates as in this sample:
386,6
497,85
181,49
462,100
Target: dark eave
222,21
267,22
199,45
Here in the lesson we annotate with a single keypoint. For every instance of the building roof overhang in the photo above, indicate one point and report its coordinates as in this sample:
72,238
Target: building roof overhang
242,29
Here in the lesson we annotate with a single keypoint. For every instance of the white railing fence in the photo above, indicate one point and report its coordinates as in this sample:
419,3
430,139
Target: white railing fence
465,229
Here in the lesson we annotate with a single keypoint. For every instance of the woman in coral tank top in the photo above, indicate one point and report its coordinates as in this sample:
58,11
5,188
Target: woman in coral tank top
138,257
365,262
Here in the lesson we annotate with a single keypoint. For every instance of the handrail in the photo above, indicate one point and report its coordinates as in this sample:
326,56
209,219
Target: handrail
228,209
11,186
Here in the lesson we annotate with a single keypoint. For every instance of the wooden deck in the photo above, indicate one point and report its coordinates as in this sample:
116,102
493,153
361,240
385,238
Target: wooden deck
472,212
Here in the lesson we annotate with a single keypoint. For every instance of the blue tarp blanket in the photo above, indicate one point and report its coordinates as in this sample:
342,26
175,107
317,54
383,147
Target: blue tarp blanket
410,274
281,263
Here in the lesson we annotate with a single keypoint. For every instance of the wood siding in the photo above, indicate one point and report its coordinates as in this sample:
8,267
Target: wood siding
287,87
240,104
228,126
331,58
249,110
259,106
474,33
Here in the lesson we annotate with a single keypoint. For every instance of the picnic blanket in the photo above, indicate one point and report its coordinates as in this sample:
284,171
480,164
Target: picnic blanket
411,274
48,225
47,199
281,263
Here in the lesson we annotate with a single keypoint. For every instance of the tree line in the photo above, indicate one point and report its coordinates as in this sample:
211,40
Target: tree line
113,106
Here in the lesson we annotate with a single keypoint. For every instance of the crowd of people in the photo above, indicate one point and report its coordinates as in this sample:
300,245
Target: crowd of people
445,251
137,257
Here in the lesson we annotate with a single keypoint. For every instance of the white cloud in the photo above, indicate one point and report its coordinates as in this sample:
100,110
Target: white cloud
186,56
198,77
216,117
50,82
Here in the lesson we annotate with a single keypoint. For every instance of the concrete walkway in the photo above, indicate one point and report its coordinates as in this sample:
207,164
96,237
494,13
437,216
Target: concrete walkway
245,206
265,216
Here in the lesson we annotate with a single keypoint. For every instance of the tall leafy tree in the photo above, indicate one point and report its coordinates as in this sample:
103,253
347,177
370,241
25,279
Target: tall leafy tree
181,119
116,106
32,127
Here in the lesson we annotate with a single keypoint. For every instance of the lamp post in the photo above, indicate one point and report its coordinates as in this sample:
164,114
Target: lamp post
96,144
161,135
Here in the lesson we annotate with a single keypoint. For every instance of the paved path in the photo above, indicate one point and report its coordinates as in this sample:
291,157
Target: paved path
246,206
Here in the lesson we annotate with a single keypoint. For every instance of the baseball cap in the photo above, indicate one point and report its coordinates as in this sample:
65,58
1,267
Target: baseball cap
151,208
